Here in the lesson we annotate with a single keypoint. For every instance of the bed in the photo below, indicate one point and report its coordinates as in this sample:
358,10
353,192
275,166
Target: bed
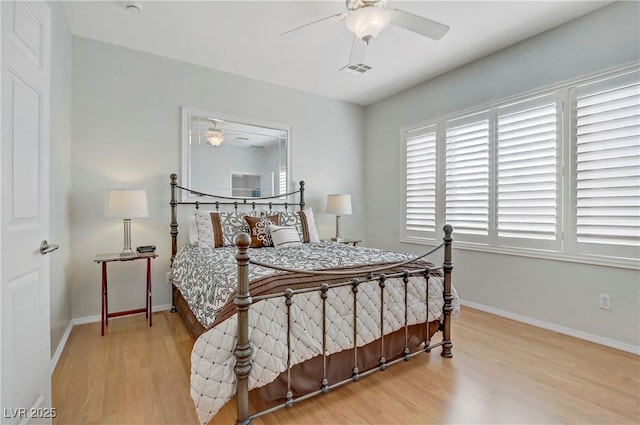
276,311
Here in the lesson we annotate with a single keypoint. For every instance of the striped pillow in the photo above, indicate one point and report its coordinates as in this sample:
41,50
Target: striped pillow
284,236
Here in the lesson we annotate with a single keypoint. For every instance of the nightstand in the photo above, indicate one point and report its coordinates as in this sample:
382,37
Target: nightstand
103,259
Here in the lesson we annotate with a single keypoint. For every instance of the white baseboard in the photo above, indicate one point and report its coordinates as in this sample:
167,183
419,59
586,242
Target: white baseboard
61,344
83,321
634,349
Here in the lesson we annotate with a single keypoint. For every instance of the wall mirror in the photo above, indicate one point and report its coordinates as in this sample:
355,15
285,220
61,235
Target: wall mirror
234,156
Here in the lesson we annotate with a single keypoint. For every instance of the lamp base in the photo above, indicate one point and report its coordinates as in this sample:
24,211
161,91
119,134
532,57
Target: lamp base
128,254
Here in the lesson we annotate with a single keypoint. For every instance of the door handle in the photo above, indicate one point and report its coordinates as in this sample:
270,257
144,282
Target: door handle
45,248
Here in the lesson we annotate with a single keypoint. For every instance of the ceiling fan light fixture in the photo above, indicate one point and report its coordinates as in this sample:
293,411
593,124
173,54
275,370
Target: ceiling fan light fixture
215,137
215,140
367,22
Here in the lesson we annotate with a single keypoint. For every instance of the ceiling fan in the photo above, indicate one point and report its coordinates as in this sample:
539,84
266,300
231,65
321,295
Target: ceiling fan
367,18
211,134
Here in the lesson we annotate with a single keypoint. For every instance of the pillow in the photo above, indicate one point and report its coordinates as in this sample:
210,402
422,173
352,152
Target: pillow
309,231
259,230
208,228
284,236
292,218
218,228
229,224
193,231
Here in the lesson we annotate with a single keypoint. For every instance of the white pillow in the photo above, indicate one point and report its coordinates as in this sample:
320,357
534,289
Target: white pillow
284,236
204,229
193,231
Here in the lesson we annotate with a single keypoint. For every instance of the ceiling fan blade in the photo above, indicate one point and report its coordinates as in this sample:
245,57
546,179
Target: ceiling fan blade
340,16
418,24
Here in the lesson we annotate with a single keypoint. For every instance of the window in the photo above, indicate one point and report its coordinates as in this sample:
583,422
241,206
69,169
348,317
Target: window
282,181
467,177
527,162
607,176
420,189
555,172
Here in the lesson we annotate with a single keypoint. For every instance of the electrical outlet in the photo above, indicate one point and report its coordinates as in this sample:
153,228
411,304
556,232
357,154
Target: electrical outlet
605,301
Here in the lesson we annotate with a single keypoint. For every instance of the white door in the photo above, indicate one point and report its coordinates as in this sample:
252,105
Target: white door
25,353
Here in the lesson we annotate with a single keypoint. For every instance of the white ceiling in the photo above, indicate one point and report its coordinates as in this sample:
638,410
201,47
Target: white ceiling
243,38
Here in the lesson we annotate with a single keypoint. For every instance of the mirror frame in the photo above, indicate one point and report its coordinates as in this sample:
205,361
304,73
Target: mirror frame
187,111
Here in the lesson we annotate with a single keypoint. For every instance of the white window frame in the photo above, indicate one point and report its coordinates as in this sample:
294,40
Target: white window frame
461,122
515,242
583,248
565,248
412,235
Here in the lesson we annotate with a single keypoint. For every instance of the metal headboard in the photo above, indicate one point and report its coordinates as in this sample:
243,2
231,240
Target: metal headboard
218,201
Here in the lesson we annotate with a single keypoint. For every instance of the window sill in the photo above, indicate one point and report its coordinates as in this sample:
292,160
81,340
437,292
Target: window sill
623,263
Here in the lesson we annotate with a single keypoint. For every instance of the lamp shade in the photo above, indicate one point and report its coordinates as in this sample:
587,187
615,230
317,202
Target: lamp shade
339,204
126,203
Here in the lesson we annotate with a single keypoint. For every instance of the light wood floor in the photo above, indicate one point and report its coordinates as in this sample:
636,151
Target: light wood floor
502,372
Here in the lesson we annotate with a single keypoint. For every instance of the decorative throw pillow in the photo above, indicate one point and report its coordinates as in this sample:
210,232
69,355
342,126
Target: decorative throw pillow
259,230
230,224
292,218
284,236
309,231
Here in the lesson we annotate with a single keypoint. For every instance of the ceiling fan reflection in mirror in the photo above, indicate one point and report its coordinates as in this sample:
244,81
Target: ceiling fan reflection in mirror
366,19
213,135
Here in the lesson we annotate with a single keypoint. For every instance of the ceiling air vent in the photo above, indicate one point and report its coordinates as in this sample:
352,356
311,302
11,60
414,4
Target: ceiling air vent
356,69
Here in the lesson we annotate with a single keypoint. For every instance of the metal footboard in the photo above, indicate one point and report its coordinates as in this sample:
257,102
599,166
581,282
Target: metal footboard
243,302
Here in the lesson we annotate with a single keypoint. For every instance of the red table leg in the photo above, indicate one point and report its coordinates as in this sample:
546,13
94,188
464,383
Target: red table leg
149,313
104,295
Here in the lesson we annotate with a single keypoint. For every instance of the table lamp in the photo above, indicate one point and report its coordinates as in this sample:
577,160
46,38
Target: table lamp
126,204
339,205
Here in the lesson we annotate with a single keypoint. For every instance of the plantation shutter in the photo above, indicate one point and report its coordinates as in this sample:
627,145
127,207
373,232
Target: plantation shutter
528,135
282,181
421,182
467,177
608,166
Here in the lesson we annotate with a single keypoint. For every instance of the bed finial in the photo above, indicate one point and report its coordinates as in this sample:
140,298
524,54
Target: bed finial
448,230
242,240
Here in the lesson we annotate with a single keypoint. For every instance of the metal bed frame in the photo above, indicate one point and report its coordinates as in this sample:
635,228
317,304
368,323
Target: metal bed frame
243,301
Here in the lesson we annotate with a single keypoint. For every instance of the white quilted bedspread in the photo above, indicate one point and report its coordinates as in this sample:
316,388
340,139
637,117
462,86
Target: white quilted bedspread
212,359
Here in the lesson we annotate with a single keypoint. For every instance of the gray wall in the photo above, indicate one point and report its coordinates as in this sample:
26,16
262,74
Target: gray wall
126,132
60,174
561,293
